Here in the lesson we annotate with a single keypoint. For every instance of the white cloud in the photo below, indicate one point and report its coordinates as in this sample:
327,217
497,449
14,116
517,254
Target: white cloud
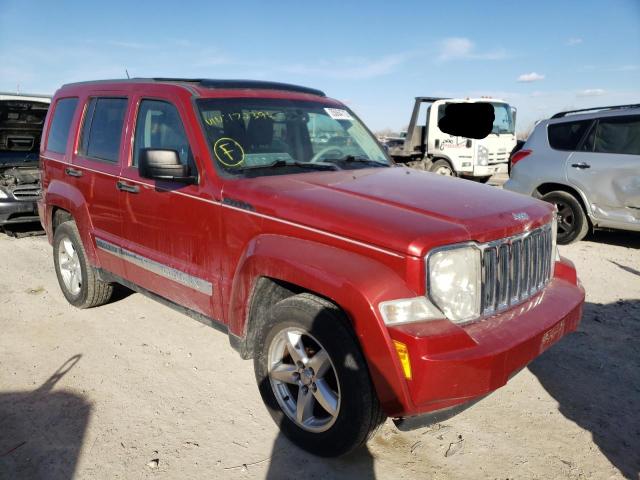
457,48
591,92
627,68
573,41
530,77
129,45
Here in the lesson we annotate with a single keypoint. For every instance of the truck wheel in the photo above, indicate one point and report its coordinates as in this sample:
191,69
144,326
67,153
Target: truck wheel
77,278
573,225
442,167
313,378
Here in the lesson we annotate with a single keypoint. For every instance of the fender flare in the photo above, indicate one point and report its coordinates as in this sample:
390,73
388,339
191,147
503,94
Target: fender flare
350,280
64,196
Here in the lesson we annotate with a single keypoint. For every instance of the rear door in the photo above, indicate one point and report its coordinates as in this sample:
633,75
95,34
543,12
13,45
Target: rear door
95,167
171,230
606,168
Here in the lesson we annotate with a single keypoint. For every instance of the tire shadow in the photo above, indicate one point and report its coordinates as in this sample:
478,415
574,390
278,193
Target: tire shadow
41,431
594,375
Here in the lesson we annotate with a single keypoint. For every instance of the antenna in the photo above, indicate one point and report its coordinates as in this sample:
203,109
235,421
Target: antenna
127,72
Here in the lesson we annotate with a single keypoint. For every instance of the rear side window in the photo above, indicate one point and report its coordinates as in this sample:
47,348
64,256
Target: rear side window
618,135
159,126
567,135
60,124
102,129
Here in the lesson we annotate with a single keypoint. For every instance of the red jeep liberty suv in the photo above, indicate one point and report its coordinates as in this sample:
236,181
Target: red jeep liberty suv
362,290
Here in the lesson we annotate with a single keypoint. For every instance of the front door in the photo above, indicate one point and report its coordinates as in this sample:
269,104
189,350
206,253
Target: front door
607,169
170,229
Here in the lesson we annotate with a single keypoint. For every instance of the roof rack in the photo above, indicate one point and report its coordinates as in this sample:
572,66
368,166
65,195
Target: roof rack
593,109
244,84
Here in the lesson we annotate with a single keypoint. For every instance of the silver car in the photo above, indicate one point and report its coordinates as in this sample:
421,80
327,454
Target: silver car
586,162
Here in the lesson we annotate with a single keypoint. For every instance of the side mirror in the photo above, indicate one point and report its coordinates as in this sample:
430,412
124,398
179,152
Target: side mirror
160,164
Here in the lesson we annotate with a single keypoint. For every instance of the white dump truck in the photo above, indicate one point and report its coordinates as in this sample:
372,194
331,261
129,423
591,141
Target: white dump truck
426,147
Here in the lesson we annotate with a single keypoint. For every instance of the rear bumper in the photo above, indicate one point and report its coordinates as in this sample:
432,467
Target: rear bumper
455,366
13,211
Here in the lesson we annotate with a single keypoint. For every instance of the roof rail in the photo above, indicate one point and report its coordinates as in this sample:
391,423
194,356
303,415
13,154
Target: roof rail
593,109
244,84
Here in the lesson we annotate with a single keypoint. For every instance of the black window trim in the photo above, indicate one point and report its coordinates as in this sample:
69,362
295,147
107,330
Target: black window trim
85,155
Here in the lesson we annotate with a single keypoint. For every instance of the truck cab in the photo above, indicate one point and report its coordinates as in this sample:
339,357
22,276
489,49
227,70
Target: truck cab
427,147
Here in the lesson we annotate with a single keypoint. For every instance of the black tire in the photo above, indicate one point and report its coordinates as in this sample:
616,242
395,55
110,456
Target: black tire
440,166
573,224
359,414
92,291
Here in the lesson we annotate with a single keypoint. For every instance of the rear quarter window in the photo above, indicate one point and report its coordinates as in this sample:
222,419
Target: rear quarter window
61,124
567,135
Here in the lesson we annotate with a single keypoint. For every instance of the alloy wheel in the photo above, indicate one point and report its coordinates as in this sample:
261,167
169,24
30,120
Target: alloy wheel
304,380
69,263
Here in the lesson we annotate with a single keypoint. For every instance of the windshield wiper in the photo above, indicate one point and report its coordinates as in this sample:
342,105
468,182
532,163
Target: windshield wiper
353,159
284,163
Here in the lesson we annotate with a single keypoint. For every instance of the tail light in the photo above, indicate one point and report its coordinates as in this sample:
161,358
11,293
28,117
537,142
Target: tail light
519,155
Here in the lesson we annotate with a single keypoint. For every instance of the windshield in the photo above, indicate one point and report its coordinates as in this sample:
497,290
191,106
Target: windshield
503,122
251,137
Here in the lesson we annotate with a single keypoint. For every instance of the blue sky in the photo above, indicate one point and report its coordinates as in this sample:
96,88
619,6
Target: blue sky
542,56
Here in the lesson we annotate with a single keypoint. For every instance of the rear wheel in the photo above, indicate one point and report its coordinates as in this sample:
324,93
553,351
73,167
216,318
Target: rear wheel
442,167
313,377
573,225
78,280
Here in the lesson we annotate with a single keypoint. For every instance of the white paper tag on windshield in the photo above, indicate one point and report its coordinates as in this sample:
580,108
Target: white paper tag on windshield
338,114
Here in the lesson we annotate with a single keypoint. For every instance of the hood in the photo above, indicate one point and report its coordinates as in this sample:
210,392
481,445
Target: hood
400,209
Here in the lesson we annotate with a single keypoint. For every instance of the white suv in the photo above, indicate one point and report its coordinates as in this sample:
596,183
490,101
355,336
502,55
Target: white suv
586,162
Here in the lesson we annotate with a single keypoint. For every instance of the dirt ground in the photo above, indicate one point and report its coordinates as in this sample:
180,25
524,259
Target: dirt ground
134,390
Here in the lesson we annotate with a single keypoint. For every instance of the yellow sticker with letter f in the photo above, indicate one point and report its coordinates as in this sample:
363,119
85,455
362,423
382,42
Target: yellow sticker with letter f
228,152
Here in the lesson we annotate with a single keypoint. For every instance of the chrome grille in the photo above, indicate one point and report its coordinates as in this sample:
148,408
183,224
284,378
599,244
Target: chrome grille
515,268
31,192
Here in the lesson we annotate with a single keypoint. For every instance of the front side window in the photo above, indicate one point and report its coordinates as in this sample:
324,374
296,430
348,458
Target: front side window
503,121
250,137
159,127
618,135
102,129
61,124
567,135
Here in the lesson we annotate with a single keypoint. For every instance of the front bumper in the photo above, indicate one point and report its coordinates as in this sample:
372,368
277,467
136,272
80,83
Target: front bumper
488,170
17,211
457,365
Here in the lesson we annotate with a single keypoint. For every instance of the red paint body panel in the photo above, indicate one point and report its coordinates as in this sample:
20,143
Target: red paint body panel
357,237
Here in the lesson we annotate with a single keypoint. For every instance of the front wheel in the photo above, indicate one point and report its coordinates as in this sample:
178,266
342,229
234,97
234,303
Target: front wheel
313,378
573,225
442,167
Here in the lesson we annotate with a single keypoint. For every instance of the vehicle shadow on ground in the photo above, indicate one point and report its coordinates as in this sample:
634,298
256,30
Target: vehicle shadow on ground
41,431
594,374
618,238
21,230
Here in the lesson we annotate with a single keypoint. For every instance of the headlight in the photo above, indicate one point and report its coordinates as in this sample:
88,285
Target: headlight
408,310
454,282
3,194
483,155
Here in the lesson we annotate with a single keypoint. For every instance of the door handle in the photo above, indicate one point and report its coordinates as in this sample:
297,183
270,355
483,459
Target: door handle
581,165
125,187
72,172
